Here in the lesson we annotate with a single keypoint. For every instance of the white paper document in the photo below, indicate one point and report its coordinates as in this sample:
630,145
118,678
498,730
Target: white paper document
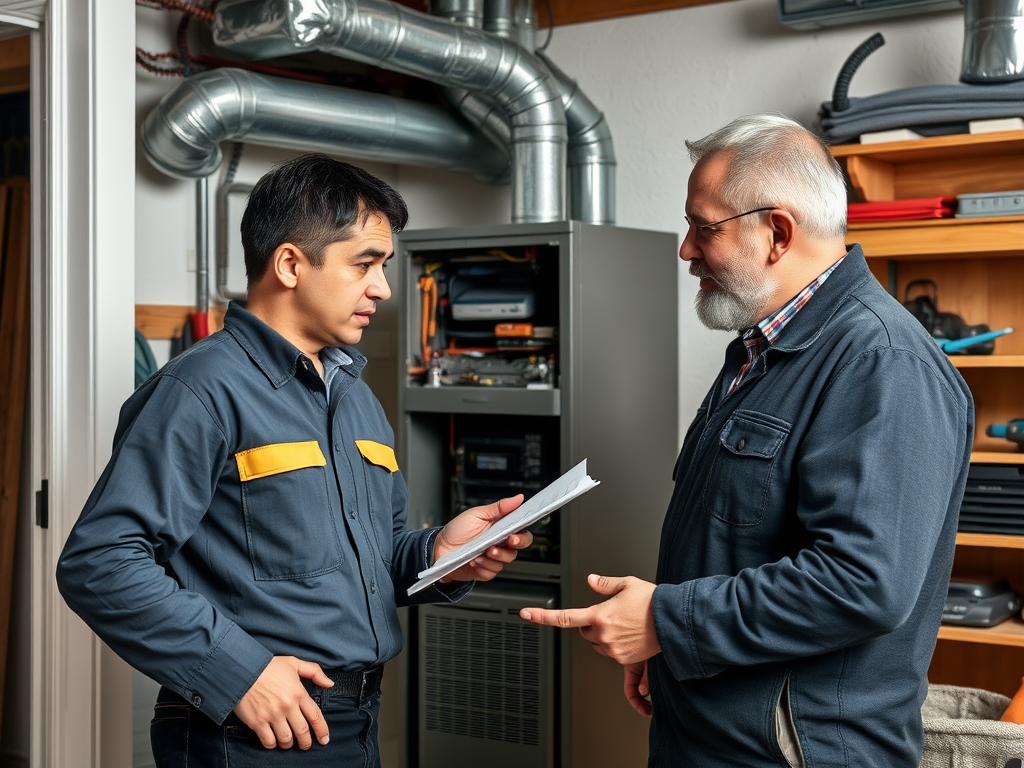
573,483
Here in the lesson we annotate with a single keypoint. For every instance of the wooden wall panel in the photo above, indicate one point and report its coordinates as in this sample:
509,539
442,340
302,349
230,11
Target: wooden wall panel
576,11
166,321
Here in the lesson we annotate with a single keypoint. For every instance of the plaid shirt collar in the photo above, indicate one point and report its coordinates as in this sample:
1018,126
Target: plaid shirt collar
759,337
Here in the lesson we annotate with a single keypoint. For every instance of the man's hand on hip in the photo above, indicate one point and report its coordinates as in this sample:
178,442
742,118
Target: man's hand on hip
636,688
278,708
471,524
621,628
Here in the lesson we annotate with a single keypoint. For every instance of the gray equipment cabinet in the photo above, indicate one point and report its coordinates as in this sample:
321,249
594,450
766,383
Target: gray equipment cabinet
596,379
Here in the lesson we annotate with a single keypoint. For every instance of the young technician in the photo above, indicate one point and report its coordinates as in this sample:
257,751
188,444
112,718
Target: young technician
808,544
245,546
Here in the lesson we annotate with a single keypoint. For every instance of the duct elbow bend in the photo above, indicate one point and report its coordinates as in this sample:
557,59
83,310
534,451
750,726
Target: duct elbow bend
181,136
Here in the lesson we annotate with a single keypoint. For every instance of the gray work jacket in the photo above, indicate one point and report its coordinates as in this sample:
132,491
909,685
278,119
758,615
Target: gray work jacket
242,516
808,544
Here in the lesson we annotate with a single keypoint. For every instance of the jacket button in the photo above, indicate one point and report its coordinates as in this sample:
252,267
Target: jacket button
741,444
373,587
197,700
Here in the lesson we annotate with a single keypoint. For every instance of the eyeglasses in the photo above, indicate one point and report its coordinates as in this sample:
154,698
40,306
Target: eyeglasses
704,229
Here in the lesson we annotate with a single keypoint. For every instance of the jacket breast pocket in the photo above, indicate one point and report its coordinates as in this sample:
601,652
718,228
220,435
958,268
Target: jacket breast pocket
289,522
737,487
379,466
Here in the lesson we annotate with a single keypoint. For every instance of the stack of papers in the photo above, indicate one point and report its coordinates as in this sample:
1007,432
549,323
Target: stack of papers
573,483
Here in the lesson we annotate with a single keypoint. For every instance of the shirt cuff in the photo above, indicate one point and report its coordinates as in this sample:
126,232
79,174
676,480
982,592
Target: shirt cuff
226,674
453,591
672,606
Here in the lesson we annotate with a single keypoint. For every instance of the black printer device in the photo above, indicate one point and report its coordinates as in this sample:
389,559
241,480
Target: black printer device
979,602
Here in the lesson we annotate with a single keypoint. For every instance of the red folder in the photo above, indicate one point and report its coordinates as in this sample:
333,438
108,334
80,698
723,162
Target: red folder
902,210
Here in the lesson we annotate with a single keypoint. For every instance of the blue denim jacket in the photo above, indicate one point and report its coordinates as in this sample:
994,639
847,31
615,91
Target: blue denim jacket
241,516
809,541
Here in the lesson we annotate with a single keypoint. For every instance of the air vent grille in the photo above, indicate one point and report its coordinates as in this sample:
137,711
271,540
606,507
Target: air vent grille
481,679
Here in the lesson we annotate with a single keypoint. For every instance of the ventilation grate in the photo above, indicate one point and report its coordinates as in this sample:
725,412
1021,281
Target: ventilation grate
481,679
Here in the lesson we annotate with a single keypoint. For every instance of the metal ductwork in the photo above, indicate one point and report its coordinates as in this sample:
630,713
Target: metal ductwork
591,153
391,36
182,135
993,41
591,163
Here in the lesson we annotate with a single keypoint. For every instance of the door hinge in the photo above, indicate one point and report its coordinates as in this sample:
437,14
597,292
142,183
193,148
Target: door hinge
43,505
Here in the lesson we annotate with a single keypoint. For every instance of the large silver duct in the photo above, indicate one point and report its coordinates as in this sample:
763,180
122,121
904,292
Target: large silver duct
388,35
591,163
591,153
182,135
993,41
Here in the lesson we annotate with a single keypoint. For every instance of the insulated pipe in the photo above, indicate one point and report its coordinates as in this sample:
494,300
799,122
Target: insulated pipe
182,135
391,36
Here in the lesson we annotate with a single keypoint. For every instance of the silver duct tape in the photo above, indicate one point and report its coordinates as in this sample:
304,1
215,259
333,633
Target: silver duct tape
993,41
181,136
396,38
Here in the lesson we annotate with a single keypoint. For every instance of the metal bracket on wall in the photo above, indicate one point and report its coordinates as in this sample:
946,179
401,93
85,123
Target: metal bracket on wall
224,191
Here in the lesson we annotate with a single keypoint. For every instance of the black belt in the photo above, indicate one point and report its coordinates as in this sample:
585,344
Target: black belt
362,684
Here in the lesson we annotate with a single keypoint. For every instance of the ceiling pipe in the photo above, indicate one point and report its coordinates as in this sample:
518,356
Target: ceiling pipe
591,152
181,136
391,36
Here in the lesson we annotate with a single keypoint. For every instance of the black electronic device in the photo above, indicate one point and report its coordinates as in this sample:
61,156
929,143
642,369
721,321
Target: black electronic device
944,325
504,463
979,602
993,500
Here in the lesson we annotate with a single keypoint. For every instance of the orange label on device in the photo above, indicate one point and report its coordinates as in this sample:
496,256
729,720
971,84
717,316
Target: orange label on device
515,330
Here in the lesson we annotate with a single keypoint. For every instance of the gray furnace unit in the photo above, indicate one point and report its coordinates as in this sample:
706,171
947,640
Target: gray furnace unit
525,349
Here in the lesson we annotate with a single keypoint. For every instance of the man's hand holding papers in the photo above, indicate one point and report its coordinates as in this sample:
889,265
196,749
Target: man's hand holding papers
477,544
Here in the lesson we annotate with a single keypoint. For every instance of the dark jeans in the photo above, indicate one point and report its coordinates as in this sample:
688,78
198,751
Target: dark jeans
183,737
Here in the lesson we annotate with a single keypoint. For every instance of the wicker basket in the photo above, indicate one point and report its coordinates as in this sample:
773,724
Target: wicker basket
962,729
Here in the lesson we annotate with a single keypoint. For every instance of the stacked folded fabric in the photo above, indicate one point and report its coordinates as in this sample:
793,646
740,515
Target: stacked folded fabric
902,210
929,110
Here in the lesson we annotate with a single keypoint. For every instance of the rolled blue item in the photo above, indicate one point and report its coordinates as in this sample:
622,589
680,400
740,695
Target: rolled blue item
948,345
996,430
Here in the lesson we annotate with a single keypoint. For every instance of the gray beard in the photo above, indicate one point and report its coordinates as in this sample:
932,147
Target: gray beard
738,303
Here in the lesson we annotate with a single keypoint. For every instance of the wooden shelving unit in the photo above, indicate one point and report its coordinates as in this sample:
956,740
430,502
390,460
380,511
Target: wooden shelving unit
978,266
1008,633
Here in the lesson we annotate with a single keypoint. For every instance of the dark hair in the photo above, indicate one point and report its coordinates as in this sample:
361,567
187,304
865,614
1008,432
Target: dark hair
312,201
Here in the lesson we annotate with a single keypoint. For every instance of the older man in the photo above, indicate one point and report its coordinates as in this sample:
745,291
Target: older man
808,544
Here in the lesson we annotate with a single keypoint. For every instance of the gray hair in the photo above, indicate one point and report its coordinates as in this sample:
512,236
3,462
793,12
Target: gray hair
775,161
